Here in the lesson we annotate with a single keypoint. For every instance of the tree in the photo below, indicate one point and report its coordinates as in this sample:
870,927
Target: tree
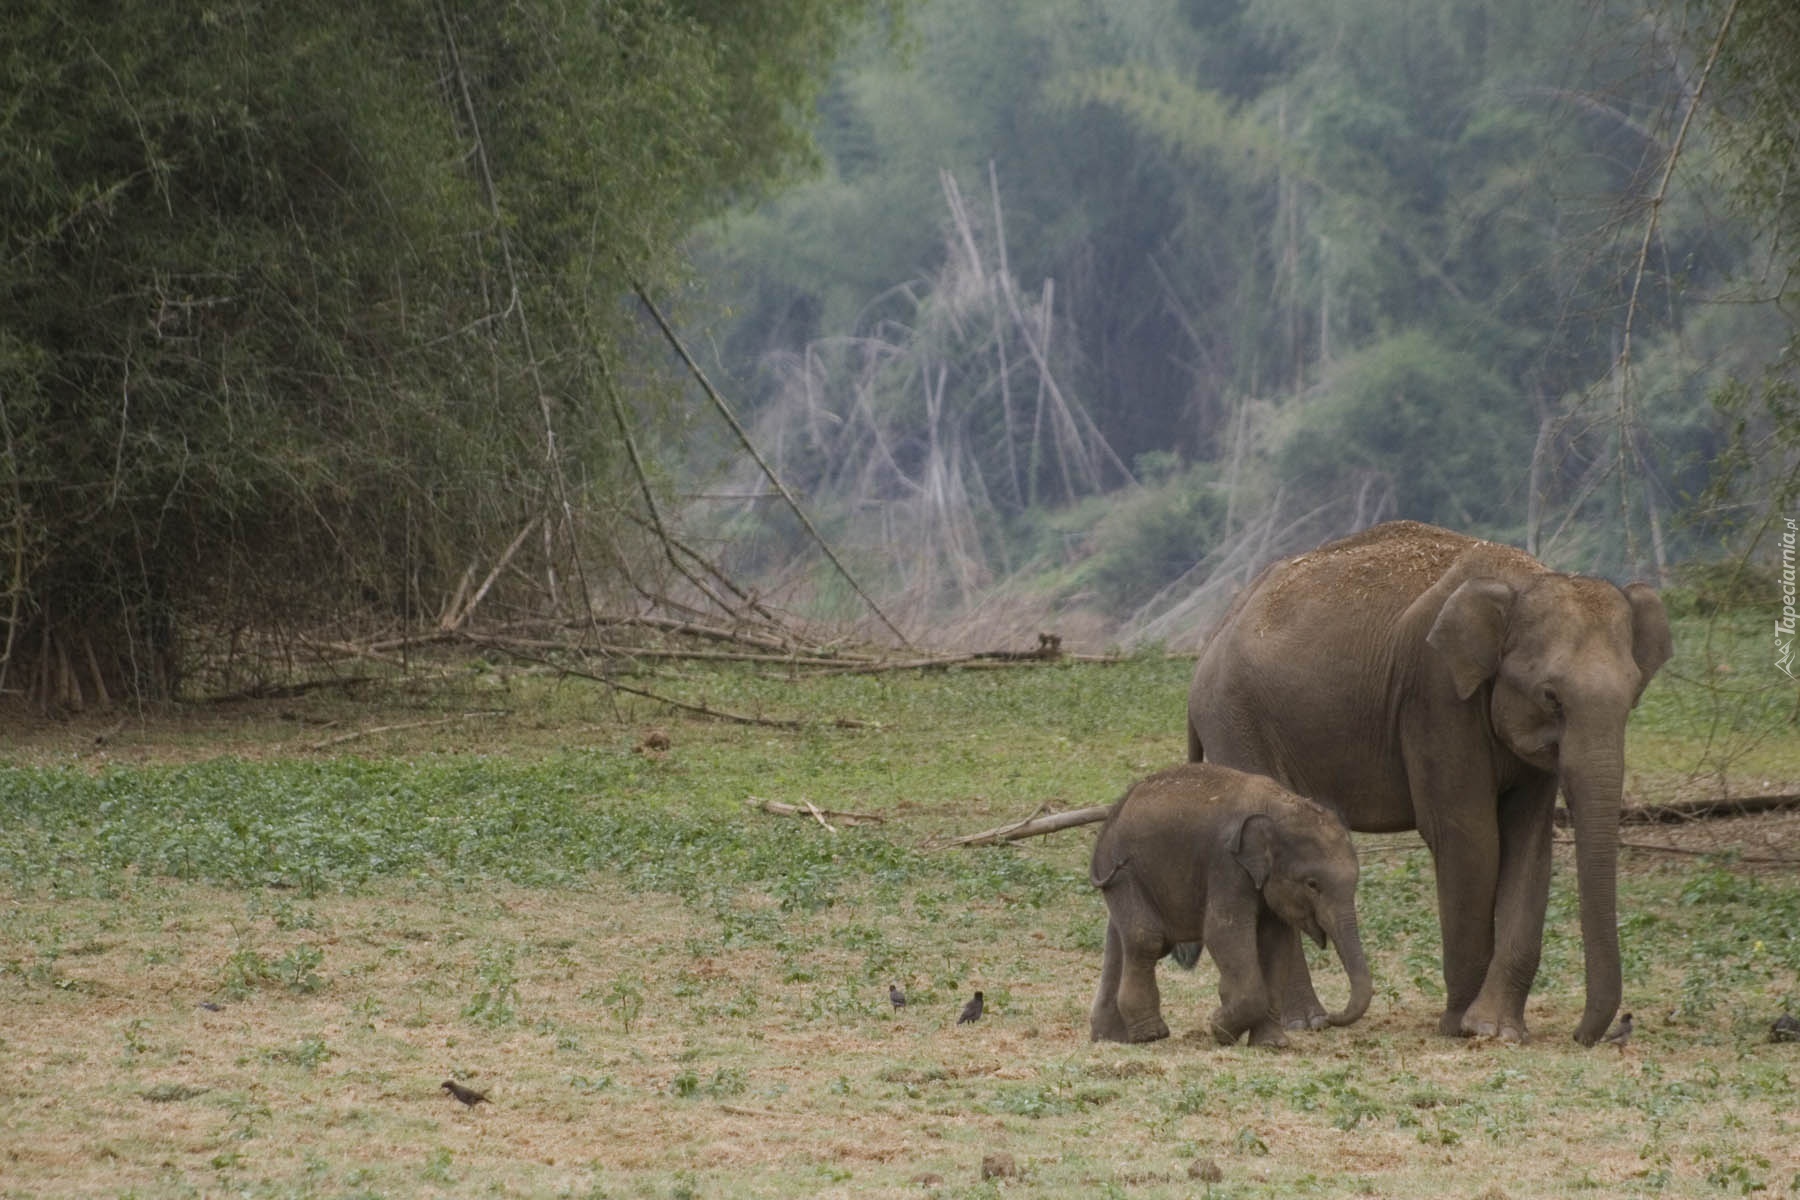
308,307
1754,111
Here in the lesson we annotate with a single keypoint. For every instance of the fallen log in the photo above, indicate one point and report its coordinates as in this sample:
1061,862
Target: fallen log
1676,811
1693,810
1036,825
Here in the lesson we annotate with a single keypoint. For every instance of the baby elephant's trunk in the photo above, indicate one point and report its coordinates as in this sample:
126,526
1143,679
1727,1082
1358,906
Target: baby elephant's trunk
1362,986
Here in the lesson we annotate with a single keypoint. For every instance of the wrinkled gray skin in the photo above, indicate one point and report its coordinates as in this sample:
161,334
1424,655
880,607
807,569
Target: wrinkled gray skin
1411,677
1201,853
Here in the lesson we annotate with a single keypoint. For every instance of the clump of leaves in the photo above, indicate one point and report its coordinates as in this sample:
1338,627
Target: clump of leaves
626,999
309,1053
496,999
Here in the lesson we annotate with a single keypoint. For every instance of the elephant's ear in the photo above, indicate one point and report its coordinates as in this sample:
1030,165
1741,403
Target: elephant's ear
1651,644
1469,631
1254,848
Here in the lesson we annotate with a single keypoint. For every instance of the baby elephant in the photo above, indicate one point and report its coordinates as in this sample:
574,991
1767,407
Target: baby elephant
1203,853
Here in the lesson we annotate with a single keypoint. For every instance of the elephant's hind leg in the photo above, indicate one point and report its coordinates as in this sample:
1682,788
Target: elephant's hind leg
1140,1004
1105,1024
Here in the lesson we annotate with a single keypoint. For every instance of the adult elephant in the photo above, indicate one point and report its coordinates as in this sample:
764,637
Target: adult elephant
1415,678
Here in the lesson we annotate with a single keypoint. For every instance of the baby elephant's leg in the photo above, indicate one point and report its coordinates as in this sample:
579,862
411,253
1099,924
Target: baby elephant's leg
1140,1004
1243,992
1105,1023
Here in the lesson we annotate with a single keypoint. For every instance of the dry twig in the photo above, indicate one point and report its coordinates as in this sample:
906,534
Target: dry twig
778,809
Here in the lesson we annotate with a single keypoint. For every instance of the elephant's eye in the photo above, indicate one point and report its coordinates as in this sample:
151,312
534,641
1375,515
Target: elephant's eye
1550,699
1312,885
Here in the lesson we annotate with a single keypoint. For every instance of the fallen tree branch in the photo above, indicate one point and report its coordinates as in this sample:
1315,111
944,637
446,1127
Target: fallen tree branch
1676,811
1655,848
703,710
777,809
1036,825
1690,810
985,660
743,438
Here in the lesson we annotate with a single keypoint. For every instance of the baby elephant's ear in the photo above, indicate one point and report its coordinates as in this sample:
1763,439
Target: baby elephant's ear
1254,848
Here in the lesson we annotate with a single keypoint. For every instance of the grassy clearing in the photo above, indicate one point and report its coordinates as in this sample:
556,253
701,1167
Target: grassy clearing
668,994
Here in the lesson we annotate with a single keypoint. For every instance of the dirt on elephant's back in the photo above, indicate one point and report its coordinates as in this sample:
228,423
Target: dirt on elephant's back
1398,559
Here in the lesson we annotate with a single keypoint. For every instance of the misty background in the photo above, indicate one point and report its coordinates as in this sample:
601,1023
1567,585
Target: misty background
1105,306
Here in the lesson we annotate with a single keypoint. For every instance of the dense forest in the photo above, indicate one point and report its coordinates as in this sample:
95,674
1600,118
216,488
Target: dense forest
318,320
1256,273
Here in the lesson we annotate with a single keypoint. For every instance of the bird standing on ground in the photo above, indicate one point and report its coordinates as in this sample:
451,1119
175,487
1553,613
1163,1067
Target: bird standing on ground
1621,1033
468,1096
896,997
971,1012
1785,1029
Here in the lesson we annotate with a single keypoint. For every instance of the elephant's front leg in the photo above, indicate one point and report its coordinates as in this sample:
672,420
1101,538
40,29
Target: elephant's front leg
1245,1004
1140,1004
1464,839
1521,896
1290,981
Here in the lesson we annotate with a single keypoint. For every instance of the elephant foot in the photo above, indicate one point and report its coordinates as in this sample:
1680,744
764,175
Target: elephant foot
1105,1024
1154,1030
1269,1036
1477,1022
1306,1022
1451,1025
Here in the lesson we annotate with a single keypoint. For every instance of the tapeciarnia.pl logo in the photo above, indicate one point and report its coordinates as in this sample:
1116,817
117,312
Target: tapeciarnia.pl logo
1784,624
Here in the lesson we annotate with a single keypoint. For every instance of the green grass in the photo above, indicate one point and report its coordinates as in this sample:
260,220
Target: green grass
669,993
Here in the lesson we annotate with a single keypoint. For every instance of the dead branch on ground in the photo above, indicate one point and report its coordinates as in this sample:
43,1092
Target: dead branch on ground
1675,812
1036,825
778,809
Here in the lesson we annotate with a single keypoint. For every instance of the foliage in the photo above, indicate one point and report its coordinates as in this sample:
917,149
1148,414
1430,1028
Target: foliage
1254,218
307,309
1129,547
1427,428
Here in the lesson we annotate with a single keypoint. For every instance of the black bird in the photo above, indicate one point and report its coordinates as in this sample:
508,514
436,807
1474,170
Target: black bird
468,1096
1785,1029
971,1012
896,997
1621,1033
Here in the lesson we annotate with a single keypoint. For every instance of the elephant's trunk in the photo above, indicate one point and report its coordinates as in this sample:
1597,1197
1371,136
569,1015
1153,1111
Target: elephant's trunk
1362,985
1593,776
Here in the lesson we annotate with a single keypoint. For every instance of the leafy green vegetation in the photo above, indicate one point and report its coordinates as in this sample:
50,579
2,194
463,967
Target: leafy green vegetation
306,308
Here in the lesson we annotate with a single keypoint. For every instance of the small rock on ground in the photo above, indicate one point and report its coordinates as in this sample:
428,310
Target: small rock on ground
1205,1170
999,1165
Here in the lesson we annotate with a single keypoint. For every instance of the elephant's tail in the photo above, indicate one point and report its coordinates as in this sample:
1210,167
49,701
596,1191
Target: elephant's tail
1111,875
1187,954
